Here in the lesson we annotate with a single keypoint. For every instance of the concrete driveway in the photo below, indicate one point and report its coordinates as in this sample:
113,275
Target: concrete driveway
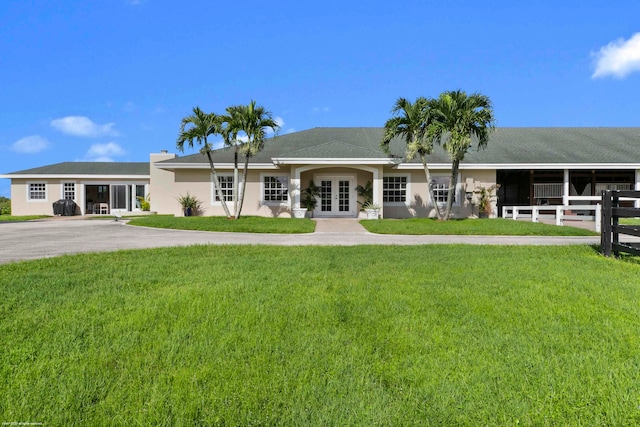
54,237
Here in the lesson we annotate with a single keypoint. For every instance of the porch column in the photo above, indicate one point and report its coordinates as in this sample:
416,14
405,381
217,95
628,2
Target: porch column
81,197
377,189
295,189
636,202
565,188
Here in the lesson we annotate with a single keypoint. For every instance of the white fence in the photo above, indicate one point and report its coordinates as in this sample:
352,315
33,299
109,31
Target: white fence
557,211
548,191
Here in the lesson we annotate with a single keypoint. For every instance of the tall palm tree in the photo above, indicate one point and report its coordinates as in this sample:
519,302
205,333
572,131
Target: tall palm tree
253,121
459,120
197,128
411,122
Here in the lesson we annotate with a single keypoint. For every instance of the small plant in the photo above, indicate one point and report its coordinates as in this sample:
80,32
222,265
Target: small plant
485,195
370,206
310,196
190,204
145,202
372,210
366,192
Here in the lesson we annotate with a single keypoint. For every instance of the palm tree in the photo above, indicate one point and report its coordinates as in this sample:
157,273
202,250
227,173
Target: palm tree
459,119
411,122
253,121
198,127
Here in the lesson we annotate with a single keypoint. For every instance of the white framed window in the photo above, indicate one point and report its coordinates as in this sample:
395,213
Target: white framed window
395,189
275,189
69,190
440,185
226,185
37,191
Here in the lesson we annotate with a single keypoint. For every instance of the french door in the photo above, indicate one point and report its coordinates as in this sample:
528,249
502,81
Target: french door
336,197
124,197
119,198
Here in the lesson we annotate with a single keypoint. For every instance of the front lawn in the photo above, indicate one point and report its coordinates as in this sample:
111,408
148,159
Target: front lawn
9,218
479,227
367,335
246,224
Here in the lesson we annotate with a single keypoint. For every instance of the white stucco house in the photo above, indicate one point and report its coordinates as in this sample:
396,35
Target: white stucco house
533,166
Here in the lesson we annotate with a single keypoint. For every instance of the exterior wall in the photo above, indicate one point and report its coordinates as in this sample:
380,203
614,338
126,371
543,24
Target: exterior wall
473,180
418,204
199,183
161,186
21,205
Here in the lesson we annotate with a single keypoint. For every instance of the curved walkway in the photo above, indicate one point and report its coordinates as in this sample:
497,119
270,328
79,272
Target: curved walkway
54,237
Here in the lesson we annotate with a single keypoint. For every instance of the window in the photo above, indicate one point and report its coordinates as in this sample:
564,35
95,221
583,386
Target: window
275,189
226,185
440,187
103,191
69,191
394,189
37,191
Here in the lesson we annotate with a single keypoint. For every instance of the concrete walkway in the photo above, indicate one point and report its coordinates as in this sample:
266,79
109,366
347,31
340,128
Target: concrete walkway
54,237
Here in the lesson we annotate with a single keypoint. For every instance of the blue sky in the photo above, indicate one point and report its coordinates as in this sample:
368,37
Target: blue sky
110,80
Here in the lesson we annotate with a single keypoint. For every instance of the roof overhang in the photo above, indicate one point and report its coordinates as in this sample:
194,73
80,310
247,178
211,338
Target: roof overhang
174,166
333,161
72,176
524,166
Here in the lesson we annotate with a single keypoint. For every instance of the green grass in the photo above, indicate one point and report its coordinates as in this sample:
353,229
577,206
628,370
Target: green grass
229,335
9,218
247,224
480,227
630,221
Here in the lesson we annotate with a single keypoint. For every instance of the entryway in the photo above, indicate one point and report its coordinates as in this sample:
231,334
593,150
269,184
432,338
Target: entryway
337,197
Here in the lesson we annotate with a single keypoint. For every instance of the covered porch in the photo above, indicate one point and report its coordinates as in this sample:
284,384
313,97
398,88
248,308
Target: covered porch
108,198
553,187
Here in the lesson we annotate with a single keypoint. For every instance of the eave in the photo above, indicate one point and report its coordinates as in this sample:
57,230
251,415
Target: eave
72,176
333,161
174,166
523,166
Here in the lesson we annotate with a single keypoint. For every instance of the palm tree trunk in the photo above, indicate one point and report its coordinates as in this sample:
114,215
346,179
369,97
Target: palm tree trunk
244,186
453,182
236,183
432,198
216,182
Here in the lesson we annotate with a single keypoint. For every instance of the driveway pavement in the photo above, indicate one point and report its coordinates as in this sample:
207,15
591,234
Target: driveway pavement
53,237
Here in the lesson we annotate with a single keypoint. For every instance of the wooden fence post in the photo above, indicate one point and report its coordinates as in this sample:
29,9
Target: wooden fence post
605,236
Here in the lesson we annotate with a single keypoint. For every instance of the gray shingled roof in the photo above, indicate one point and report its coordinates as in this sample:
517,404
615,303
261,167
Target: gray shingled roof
506,146
89,168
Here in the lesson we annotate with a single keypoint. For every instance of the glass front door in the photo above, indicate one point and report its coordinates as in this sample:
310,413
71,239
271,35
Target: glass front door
336,197
119,197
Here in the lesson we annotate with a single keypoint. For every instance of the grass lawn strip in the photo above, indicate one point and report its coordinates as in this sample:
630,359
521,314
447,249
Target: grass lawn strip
478,227
247,224
235,335
9,218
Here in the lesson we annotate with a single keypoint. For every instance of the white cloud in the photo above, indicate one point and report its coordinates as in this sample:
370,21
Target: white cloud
320,109
30,144
104,152
83,126
279,121
619,58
